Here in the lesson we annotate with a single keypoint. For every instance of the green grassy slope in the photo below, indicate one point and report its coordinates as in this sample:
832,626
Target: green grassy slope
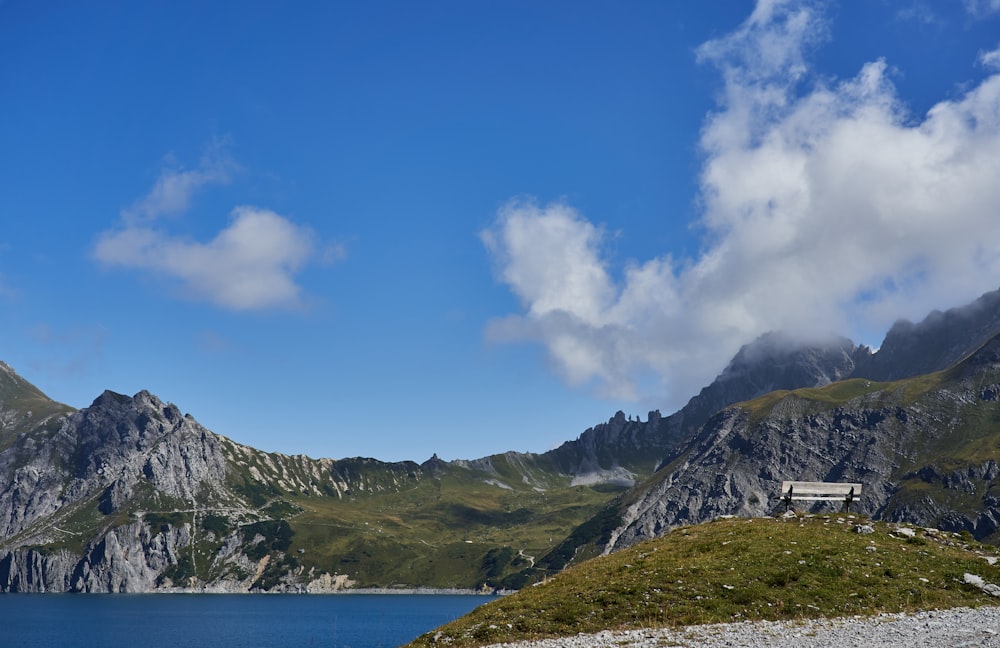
25,409
449,528
739,570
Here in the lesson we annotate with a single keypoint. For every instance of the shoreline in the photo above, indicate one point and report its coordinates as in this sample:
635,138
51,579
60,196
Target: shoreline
361,591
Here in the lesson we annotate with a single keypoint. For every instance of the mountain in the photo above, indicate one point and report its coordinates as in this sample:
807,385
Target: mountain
935,343
702,477
773,361
130,494
926,448
24,409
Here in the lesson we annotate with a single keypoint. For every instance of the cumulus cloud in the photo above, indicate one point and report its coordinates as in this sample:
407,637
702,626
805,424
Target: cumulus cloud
551,258
250,264
826,206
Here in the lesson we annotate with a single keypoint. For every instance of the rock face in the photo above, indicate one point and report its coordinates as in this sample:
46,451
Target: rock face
610,452
936,343
719,469
103,451
892,437
130,495
773,361
93,464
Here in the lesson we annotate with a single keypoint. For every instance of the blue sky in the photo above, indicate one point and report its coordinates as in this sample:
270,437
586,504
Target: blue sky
393,229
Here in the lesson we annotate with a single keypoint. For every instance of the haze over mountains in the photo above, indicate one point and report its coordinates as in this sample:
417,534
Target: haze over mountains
130,494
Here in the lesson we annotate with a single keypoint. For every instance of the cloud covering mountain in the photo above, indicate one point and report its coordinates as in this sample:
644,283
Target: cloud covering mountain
825,205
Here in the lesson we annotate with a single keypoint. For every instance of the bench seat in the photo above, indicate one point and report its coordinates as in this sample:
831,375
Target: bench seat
804,490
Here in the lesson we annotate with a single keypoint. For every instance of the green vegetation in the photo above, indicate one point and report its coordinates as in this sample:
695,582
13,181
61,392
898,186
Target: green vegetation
275,535
738,570
453,530
37,415
901,393
160,522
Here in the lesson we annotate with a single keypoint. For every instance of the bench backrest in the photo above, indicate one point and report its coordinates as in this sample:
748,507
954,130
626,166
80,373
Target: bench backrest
829,489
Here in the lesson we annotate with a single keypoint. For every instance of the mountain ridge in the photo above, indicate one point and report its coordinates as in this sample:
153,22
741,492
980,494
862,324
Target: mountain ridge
132,482
886,435
129,494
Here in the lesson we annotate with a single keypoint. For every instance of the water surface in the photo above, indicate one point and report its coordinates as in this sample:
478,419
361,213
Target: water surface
179,620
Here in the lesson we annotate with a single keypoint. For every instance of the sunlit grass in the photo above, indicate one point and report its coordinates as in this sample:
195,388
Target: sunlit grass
736,570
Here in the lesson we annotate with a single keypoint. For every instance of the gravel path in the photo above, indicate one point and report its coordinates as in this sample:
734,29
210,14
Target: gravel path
959,627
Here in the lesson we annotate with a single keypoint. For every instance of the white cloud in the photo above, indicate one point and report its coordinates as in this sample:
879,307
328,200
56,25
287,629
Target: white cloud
173,190
991,59
551,258
251,264
827,207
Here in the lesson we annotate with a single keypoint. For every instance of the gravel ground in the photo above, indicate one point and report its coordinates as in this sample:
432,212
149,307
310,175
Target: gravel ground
959,627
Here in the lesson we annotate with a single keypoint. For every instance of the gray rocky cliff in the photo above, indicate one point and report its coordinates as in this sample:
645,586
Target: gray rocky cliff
103,451
773,361
935,343
890,437
95,461
612,452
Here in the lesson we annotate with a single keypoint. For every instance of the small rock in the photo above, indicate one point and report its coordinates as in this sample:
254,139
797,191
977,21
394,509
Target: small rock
977,581
864,529
905,532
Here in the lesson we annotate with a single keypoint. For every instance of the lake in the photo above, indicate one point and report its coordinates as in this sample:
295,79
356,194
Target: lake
178,620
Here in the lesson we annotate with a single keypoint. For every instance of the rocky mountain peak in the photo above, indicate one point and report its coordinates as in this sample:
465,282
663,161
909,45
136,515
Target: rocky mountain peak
117,425
935,343
771,362
779,358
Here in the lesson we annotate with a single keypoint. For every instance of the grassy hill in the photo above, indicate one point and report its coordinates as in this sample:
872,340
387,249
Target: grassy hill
740,569
25,409
447,527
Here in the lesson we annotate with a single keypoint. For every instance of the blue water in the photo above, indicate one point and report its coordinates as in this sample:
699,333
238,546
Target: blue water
179,620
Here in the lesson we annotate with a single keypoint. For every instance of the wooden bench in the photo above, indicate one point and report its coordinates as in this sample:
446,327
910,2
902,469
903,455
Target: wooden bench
802,490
